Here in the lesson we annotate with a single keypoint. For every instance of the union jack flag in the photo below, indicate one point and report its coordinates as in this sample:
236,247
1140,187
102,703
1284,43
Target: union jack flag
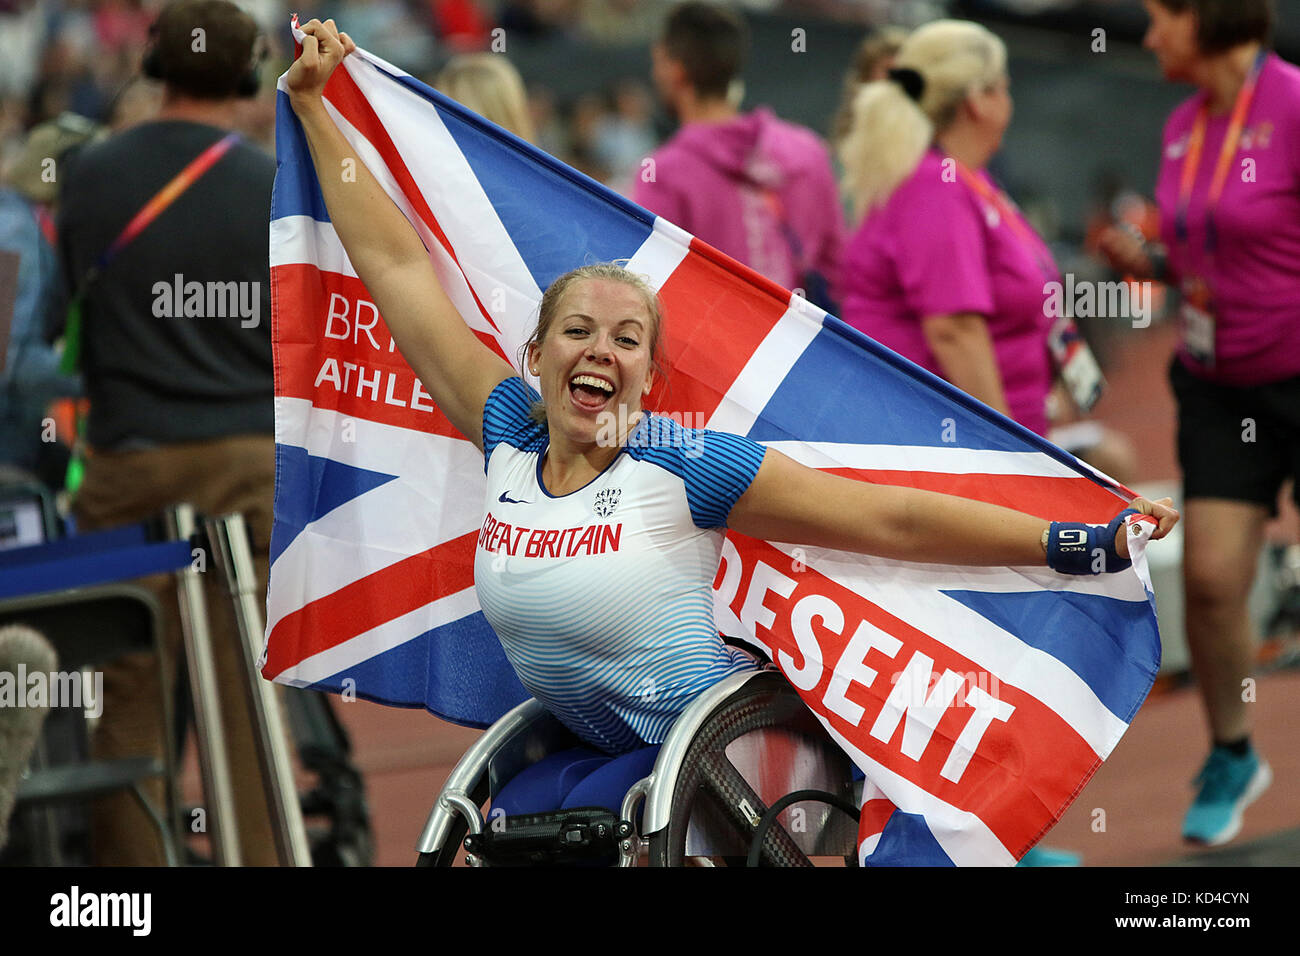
977,701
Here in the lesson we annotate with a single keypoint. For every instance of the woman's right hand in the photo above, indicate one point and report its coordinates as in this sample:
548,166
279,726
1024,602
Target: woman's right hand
1126,253
323,48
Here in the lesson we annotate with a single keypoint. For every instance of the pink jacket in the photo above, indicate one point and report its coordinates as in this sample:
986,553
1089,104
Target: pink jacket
755,187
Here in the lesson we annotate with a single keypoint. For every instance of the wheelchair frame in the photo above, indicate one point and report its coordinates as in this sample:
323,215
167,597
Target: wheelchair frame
529,732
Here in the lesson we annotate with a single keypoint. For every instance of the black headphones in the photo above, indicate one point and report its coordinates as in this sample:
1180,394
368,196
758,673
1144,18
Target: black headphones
249,83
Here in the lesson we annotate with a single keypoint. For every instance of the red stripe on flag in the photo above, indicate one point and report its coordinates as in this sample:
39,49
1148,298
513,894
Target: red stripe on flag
1024,771
323,356
342,91
356,374
716,313
371,601
1050,497
875,814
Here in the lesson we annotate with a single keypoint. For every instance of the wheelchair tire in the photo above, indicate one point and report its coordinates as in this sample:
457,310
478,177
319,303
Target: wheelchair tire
708,783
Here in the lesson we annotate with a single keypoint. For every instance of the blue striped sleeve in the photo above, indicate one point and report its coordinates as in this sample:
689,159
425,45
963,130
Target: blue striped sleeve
716,467
505,416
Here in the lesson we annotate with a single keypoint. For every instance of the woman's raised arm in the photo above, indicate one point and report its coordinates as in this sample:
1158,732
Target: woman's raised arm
793,503
457,370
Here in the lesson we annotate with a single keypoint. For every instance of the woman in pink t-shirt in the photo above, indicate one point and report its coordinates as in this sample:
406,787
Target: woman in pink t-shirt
1229,197
944,269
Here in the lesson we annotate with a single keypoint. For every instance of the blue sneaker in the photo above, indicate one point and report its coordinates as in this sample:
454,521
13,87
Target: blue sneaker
1228,784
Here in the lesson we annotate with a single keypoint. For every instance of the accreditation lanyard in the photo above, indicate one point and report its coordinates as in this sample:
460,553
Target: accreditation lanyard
150,211
1065,344
166,196
1195,146
1011,216
45,222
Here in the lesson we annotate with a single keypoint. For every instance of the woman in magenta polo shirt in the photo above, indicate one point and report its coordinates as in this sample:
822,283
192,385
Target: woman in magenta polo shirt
943,269
1229,197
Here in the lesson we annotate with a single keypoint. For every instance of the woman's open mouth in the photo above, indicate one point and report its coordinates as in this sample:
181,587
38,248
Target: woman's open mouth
590,392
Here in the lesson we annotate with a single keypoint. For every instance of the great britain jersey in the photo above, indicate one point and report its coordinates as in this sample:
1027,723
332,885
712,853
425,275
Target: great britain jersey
603,598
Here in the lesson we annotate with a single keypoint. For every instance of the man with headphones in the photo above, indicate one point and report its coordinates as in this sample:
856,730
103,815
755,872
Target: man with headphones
174,342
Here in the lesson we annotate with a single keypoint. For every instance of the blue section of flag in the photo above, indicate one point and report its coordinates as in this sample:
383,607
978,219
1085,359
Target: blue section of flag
319,486
457,672
1118,660
894,402
297,191
907,841
599,226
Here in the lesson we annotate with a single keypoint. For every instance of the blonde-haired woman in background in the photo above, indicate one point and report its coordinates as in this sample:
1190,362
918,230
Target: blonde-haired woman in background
488,84
943,269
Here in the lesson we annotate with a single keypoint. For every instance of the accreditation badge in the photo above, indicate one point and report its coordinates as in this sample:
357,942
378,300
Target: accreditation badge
1076,364
1198,321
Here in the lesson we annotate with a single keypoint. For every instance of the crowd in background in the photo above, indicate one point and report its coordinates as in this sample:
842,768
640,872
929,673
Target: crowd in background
83,56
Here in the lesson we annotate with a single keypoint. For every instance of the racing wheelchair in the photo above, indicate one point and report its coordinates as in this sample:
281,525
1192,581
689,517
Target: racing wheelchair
746,775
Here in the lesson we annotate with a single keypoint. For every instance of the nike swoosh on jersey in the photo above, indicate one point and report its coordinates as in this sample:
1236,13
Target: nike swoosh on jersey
511,501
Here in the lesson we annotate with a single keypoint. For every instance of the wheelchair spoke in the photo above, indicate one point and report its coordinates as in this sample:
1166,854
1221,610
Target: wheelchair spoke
729,789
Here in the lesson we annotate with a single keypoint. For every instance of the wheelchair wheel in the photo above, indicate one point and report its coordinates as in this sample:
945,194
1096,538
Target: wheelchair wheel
712,795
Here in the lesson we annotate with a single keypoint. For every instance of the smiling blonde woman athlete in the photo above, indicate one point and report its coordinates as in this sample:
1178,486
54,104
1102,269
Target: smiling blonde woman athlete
596,559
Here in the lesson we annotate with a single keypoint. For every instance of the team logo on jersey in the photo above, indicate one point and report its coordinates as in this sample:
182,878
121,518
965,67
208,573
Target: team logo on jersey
606,502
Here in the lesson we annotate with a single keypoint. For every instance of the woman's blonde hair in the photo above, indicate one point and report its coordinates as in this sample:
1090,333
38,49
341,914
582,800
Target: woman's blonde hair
891,131
488,84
